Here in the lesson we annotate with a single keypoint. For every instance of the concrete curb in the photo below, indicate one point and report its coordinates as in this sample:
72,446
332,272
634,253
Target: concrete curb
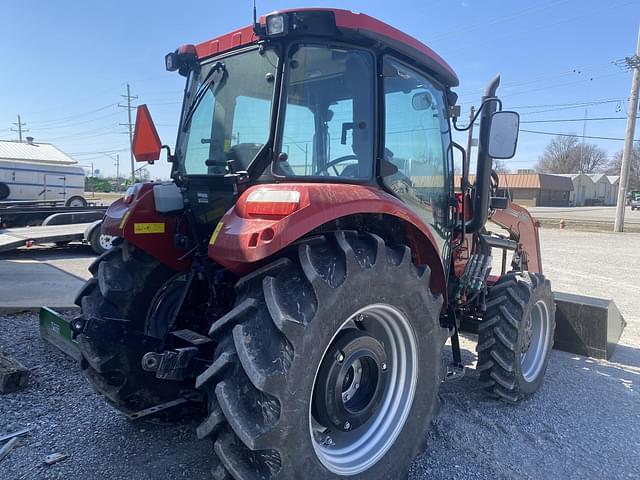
585,225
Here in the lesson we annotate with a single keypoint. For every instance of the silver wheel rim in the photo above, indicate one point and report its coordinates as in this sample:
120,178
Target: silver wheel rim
105,241
353,452
76,203
532,359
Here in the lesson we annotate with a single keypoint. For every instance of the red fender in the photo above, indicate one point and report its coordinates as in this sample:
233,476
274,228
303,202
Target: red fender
523,228
139,223
242,238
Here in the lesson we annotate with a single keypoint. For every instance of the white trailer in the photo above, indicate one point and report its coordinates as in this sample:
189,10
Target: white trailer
36,172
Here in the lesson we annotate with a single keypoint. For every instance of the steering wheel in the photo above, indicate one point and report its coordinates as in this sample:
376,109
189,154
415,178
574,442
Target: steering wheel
333,163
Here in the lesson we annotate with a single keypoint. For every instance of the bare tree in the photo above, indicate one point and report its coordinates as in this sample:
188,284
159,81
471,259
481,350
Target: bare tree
591,158
559,156
634,168
566,155
500,166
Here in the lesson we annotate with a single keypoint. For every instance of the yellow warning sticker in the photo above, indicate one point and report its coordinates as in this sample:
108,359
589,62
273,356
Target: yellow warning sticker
139,228
124,219
215,234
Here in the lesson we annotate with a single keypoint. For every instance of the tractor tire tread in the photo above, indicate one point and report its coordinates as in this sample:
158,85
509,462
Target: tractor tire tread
258,339
508,304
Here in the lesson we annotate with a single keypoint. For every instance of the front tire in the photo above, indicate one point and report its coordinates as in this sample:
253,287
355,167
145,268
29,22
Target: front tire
286,400
515,338
124,283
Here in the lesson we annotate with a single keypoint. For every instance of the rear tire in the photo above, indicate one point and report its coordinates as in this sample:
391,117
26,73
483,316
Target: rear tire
76,201
4,191
123,286
515,338
266,387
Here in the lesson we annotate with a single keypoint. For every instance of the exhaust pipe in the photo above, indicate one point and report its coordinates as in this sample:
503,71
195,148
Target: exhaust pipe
483,170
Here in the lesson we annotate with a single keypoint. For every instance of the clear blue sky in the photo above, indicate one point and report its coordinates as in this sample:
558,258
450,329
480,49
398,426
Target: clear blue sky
67,62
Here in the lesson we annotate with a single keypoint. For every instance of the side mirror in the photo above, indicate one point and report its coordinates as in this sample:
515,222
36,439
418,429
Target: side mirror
503,134
146,142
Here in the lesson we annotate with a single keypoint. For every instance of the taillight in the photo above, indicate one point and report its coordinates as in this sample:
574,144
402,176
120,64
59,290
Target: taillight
272,203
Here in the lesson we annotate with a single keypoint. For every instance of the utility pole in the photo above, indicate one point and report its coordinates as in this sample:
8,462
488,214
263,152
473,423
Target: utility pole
130,97
470,138
117,166
19,124
634,63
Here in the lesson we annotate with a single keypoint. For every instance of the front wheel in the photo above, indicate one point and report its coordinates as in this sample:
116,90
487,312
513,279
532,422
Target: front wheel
516,335
329,365
123,287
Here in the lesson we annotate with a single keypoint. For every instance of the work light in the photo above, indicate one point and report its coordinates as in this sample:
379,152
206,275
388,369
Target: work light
276,25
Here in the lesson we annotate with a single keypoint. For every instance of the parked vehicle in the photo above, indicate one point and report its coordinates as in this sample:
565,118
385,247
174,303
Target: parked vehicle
635,203
39,172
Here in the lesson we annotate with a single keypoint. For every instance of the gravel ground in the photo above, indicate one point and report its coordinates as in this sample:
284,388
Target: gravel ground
67,416
583,423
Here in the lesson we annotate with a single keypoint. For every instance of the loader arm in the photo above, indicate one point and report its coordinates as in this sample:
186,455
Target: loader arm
523,229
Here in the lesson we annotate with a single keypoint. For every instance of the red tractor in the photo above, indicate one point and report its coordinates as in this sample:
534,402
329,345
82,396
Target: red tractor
300,276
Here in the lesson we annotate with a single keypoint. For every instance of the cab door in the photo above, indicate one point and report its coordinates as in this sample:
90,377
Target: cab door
416,155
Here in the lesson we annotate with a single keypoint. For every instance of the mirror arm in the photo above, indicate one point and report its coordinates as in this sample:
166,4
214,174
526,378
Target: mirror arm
170,157
485,101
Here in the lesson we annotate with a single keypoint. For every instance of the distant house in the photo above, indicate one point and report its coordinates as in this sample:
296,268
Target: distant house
592,188
614,180
583,188
602,188
534,189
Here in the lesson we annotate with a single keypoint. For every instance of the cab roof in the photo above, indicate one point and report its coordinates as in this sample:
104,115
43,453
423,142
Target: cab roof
349,24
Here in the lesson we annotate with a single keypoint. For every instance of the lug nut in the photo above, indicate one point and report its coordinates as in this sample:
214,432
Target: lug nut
340,357
384,367
357,386
347,426
359,369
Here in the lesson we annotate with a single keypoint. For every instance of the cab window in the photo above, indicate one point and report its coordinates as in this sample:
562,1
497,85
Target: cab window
417,137
328,127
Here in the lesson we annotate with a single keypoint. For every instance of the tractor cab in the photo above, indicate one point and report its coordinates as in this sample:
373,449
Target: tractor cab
316,96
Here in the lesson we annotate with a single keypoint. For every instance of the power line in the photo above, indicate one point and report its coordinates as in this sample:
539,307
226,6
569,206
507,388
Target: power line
559,120
79,122
608,8
571,135
94,152
68,118
576,104
477,25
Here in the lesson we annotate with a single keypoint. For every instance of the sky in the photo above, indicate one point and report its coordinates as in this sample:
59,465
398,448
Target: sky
67,63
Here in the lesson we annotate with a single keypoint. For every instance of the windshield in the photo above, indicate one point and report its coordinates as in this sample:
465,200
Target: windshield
229,113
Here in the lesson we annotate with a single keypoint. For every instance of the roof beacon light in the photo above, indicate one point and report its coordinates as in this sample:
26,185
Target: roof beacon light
276,25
